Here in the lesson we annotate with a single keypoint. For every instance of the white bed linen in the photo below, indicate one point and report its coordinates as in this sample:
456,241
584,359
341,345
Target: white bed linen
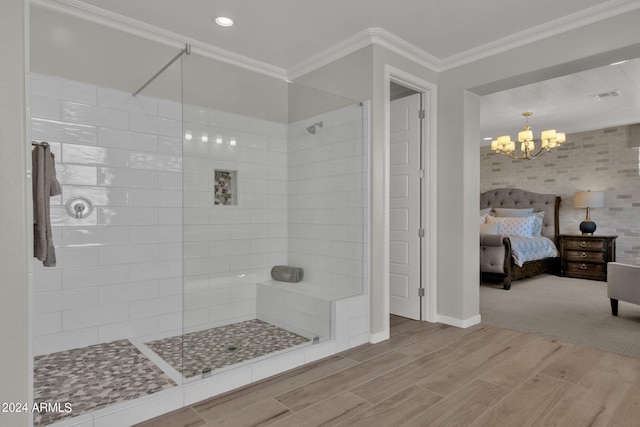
532,248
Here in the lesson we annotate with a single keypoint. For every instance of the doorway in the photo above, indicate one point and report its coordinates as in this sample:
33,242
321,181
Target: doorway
406,229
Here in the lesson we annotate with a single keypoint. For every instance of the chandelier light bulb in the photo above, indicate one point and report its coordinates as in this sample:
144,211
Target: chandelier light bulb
548,139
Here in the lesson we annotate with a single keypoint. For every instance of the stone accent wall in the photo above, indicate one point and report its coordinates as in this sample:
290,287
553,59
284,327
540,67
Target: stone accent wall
600,160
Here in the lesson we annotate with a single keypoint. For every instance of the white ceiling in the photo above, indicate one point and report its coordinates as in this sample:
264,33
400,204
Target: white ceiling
565,103
288,33
285,33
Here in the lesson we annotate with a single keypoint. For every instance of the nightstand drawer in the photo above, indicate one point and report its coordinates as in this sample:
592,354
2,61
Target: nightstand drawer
586,257
584,268
582,256
586,244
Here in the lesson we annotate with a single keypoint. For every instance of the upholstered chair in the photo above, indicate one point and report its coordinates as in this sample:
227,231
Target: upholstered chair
623,284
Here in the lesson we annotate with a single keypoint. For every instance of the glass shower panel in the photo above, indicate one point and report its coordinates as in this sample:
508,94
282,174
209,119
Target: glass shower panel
327,190
165,346
326,161
117,283
260,191
235,210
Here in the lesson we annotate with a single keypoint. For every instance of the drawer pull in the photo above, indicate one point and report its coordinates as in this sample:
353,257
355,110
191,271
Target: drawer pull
583,244
583,267
583,255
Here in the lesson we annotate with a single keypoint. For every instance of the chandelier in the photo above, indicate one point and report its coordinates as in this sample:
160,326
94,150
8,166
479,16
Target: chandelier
548,139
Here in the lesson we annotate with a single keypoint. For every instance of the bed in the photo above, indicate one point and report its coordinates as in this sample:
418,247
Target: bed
497,260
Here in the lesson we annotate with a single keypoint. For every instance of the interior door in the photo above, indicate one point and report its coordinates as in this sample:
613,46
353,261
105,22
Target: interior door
404,227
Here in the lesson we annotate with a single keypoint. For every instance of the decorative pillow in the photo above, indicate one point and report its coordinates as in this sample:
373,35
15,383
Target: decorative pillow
483,219
510,226
537,224
488,229
514,213
485,211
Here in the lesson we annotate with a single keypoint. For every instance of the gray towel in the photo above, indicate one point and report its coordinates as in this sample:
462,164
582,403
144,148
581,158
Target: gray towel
45,185
284,273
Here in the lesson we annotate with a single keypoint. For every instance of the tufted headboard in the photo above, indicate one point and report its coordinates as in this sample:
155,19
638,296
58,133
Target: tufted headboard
520,199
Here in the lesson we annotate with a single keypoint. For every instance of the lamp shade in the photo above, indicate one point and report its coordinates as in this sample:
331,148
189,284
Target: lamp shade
588,199
548,134
525,135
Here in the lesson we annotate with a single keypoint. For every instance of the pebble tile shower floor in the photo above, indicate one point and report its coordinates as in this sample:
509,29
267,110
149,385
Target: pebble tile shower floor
223,346
97,376
94,377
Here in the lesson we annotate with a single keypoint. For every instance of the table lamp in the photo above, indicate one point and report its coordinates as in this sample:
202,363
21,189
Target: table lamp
588,199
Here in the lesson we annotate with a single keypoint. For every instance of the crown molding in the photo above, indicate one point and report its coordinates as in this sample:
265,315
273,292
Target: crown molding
138,28
561,25
370,36
384,38
327,56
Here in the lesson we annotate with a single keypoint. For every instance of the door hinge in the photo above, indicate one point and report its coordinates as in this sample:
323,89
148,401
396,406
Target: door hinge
421,232
420,292
421,173
421,114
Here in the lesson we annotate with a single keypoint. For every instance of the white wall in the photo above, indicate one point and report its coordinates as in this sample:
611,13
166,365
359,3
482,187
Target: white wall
14,324
119,270
229,248
327,199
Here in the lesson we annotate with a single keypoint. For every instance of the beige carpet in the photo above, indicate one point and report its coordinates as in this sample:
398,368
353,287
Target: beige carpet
571,310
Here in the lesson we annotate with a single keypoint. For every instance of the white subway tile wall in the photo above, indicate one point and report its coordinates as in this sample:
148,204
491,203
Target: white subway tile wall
326,226
121,271
223,257
305,315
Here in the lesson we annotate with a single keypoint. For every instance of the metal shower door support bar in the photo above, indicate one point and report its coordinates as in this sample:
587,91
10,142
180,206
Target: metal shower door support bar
187,50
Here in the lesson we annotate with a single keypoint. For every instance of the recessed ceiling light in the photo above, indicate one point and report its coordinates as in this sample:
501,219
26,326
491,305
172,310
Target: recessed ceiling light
223,21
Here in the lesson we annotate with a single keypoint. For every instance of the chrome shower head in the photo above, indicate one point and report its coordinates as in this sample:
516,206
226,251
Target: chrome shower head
312,129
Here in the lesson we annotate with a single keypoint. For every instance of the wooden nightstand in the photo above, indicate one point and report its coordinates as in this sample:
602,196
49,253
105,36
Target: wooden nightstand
586,257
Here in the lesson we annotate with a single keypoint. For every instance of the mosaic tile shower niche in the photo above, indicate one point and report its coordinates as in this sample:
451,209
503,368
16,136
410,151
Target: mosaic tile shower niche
225,187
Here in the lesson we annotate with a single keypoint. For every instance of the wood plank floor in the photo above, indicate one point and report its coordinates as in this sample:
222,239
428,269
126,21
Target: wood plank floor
437,375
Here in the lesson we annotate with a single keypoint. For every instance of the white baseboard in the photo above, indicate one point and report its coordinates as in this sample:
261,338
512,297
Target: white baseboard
378,337
460,323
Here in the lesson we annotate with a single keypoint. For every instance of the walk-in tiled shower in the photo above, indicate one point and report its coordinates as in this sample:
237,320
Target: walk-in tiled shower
195,191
